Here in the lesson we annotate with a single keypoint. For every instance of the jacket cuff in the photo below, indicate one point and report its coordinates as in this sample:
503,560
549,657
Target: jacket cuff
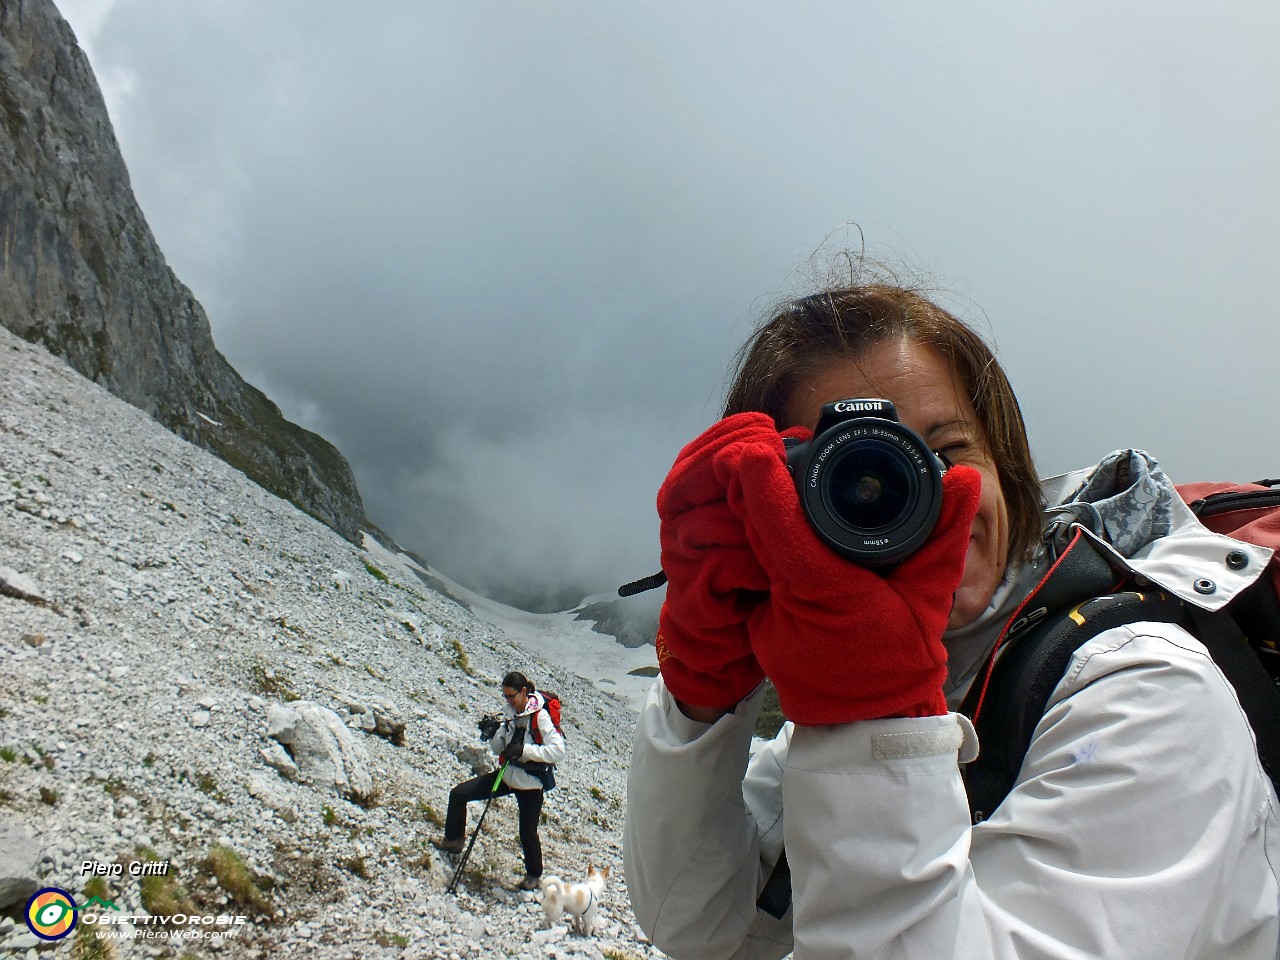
686,730
886,745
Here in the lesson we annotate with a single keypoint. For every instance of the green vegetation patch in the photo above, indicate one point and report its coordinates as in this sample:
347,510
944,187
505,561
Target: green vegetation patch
270,682
163,895
233,876
460,657
430,814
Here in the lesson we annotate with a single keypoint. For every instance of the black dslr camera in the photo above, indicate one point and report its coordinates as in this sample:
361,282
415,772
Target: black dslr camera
489,725
870,487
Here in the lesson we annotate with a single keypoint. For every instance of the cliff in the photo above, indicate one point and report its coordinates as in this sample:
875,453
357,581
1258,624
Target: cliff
84,277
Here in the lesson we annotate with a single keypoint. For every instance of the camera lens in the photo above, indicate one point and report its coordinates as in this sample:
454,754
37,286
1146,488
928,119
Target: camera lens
871,487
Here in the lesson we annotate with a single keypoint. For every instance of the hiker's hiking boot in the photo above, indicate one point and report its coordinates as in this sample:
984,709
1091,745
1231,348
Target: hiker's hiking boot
530,883
447,845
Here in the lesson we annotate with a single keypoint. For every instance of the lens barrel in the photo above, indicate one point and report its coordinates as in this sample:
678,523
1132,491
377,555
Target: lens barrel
870,487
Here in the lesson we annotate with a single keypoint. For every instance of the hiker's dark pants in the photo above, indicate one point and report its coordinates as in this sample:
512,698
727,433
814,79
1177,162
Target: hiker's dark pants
478,788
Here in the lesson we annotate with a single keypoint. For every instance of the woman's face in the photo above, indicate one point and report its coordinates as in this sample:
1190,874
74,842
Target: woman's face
519,699
930,401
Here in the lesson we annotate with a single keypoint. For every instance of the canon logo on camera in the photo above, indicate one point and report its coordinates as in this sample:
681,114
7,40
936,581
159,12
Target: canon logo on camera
858,406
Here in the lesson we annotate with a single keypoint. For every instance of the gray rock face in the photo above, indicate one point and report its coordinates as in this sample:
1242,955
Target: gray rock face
15,584
373,717
19,865
325,751
83,276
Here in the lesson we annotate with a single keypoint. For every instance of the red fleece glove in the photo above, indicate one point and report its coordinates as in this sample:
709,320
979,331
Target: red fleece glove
842,642
713,578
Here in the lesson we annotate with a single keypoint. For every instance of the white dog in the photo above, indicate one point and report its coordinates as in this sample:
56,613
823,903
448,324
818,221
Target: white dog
580,900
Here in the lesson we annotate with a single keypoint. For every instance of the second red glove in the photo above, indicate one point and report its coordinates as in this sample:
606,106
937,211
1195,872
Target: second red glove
839,641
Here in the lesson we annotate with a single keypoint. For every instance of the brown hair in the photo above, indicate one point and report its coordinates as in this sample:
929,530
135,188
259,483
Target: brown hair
517,681
804,336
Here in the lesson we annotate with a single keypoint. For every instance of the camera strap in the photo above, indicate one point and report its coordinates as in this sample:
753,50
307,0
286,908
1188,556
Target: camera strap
651,582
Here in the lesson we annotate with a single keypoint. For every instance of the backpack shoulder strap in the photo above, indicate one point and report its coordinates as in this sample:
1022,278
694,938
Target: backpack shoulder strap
1079,572
533,726
1028,659
1023,679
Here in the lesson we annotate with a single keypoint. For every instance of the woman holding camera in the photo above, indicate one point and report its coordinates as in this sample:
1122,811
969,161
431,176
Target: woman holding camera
1141,824
523,755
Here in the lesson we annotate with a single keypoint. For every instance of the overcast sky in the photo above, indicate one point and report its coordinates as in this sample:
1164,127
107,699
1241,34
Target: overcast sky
501,253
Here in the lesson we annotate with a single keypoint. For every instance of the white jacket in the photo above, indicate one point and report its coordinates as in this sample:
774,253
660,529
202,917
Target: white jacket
551,750
1141,826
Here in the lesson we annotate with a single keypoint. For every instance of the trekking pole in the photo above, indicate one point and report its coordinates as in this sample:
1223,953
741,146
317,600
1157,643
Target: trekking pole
497,782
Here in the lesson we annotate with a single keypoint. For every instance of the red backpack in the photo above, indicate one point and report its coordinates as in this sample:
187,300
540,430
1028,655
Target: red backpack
551,704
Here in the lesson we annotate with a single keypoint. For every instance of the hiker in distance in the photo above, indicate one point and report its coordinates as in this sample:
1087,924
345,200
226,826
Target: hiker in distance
525,738
1141,824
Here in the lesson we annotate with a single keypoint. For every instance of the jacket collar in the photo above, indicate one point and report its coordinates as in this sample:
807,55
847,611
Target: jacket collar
1132,511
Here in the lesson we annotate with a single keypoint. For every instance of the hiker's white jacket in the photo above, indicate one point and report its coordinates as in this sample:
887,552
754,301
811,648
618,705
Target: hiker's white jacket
1141,826
551,750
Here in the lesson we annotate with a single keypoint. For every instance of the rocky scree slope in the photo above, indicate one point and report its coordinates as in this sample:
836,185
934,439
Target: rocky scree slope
83,275
196,672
